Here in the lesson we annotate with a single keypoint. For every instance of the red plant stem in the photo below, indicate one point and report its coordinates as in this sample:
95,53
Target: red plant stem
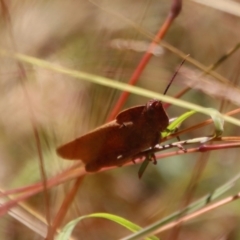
202,124
63,209
195,214
39,187
205,148
80,172
32,187
175,10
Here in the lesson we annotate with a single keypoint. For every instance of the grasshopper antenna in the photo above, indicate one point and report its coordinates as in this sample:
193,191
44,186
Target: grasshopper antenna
174,75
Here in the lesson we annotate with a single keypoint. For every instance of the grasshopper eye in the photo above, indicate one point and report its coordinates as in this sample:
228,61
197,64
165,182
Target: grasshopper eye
155,104
152,105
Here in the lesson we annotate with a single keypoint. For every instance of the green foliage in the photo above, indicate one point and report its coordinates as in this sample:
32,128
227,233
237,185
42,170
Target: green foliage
67,230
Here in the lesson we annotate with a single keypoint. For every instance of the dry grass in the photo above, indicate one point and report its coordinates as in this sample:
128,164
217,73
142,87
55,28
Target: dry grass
42,108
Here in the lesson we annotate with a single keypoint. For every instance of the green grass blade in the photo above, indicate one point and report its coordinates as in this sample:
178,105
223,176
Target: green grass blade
67,230
218,122
172,126
191,208
114,84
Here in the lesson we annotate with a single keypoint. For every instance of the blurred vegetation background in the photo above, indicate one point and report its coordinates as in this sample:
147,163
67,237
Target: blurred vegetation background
96,37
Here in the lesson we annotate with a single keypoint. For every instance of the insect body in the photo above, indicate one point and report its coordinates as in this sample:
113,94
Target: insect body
115,143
